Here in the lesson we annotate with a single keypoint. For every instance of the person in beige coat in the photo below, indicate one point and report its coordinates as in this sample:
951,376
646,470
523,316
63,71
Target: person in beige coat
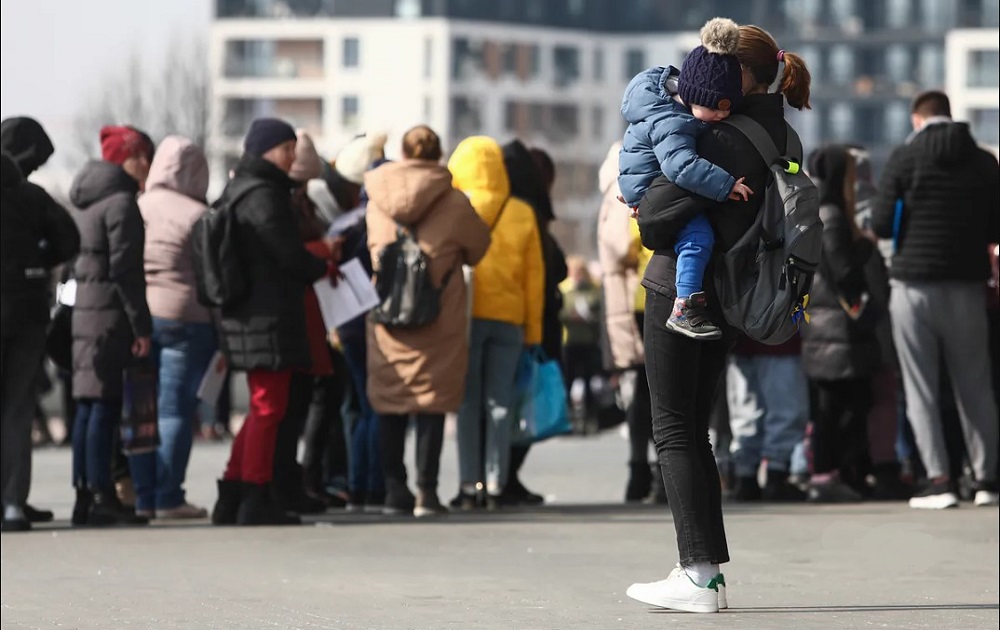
421,372
621,257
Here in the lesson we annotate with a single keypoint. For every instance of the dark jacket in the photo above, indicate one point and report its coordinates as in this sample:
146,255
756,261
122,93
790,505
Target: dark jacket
669,207
267,329
951,205
526,184
834,346
110,310
26,142
36,234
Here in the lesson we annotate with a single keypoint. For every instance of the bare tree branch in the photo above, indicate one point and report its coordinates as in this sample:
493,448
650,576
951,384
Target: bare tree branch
170,99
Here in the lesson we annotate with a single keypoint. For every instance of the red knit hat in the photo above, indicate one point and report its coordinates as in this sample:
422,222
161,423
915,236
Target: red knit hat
119,143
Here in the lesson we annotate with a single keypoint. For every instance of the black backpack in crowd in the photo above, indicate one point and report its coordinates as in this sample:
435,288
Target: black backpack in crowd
407,294
218,266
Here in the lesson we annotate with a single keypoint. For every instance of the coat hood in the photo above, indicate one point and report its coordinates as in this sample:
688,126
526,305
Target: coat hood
608,173
179,165
478,170
99,180
10,175
525,180
945,142
407,190
26,142
648,92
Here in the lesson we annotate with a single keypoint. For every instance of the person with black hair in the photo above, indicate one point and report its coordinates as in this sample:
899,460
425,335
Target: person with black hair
939,200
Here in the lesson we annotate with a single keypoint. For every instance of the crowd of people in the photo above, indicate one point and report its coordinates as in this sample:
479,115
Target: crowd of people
883,395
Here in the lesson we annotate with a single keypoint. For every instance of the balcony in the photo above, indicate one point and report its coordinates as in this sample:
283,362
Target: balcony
301,113
280,59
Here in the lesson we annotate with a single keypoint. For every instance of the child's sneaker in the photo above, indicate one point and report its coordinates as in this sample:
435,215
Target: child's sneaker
690,318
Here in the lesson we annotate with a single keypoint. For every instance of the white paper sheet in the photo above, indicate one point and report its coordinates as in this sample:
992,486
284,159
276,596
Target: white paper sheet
215,376
353,296
66,293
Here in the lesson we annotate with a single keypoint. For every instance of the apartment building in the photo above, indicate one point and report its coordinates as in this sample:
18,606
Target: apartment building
972,61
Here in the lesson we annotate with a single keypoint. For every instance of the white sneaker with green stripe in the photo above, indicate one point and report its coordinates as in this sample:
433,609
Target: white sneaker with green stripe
679,592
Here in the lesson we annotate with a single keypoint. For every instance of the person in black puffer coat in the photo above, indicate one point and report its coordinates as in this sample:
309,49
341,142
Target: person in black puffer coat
111,321
939,200
264,333
840,347
37,234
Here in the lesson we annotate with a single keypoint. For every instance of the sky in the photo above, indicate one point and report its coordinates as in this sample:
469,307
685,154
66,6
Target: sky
56,53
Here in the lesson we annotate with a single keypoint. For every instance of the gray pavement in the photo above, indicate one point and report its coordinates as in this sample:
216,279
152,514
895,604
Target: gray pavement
560,567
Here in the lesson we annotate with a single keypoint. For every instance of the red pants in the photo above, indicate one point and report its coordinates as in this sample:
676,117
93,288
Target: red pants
252,457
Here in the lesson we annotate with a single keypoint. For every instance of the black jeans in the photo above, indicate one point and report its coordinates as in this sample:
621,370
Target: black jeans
324,436
840,427
685,377
288,478
430,439
639,415
20,363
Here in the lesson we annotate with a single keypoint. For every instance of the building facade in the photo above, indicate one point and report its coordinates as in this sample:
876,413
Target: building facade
552,72
972,61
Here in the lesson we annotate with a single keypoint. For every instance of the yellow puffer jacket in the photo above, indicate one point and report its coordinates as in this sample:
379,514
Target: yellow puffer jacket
642,255
510,280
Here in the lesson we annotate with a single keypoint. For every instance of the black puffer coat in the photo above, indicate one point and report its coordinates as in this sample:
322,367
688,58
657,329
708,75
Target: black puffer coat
110,310
36,234
267,329
835,346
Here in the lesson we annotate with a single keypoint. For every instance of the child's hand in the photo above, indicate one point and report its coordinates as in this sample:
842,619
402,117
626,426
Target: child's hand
740,191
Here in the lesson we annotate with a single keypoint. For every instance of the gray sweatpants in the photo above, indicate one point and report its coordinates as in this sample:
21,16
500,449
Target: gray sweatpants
935,320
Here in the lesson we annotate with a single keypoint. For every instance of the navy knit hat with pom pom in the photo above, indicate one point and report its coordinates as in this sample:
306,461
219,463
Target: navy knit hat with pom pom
711,75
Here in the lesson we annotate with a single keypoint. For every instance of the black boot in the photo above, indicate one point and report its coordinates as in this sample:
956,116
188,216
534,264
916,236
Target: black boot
228,504
107,510
35,515
778,490
640,483
889,484
745,490
258,507
81,509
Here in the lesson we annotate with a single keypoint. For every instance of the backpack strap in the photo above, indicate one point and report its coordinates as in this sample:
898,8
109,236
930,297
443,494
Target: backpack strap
499,214
762,141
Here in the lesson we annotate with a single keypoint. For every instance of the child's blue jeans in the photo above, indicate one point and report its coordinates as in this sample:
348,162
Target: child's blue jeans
693,249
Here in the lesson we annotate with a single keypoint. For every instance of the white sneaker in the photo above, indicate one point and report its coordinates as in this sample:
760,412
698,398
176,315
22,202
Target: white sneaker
677,592
985,498
934,496
720,583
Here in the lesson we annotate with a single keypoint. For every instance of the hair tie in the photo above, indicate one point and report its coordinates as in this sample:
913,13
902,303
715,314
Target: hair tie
781,56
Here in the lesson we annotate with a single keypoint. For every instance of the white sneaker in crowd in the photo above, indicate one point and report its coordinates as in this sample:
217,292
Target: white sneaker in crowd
987,498
935,496
677,592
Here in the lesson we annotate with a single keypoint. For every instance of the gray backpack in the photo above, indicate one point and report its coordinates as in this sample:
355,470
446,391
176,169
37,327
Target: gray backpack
763,281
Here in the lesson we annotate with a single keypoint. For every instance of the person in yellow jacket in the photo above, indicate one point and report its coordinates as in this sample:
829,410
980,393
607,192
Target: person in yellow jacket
508,299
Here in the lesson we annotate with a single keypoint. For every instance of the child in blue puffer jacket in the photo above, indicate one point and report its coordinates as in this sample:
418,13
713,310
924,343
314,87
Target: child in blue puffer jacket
667,109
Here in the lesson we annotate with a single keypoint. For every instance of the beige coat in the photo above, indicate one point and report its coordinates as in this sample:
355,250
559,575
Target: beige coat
619,263
423,370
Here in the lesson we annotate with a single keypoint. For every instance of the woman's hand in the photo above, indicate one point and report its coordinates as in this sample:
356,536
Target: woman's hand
141,347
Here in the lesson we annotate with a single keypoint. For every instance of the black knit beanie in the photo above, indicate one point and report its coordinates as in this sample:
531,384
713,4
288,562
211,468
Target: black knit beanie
711,75
265,134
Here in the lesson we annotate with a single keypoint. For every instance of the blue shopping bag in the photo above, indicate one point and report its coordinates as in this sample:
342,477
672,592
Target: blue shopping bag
541,409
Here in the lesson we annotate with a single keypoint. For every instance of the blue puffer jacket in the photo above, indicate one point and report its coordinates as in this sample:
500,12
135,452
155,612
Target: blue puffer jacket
661,137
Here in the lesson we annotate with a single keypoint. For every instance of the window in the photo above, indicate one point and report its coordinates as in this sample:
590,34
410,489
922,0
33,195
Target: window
428,109
352,52
598,64
897,122
635,62
984,69
841,64
841,123
466,119
986,125
567,65
349,112
597,122
408,8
